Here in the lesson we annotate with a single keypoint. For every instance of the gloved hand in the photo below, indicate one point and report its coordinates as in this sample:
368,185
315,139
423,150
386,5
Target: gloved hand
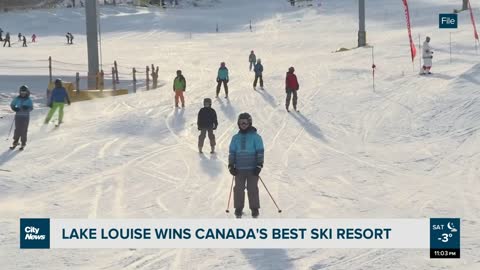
50,105
226,81
199,128
16,109
232,169
214,127
218,80
258,169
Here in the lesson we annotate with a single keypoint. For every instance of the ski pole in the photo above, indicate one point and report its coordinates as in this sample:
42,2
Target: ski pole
10,131
230,195
279,211
373,68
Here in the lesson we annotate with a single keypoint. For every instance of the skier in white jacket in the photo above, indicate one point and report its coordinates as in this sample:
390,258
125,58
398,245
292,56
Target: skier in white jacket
427,55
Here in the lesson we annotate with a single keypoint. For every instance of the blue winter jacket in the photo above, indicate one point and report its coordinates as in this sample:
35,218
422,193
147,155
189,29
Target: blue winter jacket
22,106
258,69
59,95
222,74
246,150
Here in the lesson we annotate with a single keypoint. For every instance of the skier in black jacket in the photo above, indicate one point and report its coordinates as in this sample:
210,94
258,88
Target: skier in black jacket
207,122
7,39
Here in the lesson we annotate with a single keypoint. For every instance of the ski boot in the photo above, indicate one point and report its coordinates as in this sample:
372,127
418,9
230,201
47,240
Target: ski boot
13,146
200,149
238,213
213,150
22,147
255,213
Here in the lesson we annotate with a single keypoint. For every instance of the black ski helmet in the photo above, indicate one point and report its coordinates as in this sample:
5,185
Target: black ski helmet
207,102
246,116
23,88
291,69
58,82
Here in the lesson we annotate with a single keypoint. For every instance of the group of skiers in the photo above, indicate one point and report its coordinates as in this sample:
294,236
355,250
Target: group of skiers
246,150
22,105
291,82
257,68
245,159
21,38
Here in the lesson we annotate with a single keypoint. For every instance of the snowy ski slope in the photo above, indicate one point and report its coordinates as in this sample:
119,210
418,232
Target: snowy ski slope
408,149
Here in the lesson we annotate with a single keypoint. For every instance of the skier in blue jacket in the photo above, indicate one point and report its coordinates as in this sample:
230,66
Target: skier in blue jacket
222,77
57,101
245,161
22,105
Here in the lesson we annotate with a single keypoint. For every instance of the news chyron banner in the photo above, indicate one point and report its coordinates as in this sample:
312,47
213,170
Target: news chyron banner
440,235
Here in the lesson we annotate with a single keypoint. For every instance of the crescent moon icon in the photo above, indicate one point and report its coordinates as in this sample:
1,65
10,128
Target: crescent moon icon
450,226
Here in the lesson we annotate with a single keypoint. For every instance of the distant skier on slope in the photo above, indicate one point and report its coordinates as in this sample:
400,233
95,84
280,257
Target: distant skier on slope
291,88
7,39
258,74
245,162
252,59
179,86
57,101
427,55
22,105
24,41
207,123
222,77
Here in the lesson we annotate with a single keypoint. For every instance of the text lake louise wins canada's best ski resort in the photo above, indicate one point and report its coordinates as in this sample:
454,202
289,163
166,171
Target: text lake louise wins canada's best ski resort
239,134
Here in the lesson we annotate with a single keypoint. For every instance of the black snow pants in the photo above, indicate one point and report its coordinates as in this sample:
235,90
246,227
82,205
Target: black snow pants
21,129
289,96
251,180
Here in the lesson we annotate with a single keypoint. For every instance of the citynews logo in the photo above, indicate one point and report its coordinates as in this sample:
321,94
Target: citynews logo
34,233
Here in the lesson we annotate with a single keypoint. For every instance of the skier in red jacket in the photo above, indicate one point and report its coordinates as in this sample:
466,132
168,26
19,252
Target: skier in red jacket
291,87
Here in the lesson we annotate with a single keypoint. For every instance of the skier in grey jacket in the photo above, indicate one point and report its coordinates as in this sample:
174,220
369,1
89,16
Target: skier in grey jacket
252,59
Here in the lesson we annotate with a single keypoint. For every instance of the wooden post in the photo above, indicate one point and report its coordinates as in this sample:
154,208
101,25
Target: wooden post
134,71
50,67
148,78
113,79
154,77
77,82
116,70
